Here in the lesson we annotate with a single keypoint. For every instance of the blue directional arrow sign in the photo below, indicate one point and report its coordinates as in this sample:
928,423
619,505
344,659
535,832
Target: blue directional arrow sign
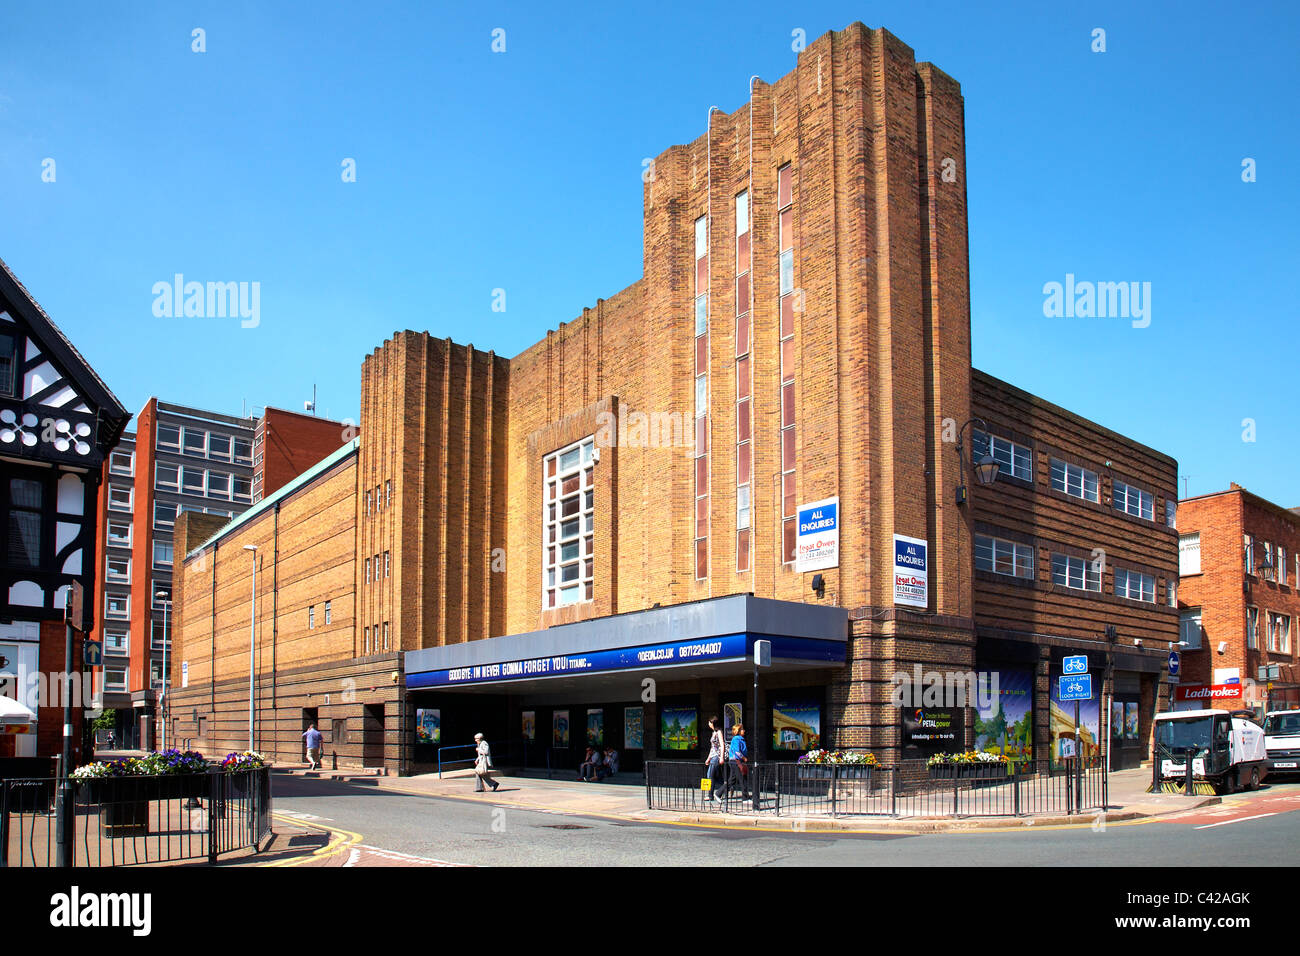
1174,663
93,653
1075,665
1075,687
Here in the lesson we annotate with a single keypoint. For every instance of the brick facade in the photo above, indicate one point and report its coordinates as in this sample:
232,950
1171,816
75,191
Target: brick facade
1223,591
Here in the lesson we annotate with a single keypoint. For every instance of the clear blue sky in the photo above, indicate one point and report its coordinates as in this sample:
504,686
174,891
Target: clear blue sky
522,170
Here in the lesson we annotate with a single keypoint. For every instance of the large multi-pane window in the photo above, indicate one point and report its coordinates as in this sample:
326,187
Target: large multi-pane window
1013,459
1189,628
1078,573
26,501
744,404
219,446
1135,586
169,438
701,397
162,554
785,263
1004,557
195,441
167,477
1134,501
568,540
1074,480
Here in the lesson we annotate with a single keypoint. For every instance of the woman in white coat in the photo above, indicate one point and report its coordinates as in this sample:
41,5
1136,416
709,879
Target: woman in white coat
483,764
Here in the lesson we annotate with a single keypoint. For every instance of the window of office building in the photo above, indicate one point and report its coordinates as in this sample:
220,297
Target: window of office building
122,463
1189,628
169,438
1074,480
243,451
569,525
1004,557
117,641
1013,459
115,605
119,498
119,533
192,480
218,484
1135,586
119,570
1078,573
115,678
219,446
243,488
327,612
195,441
311,617
167,477
1252,628
1134,501
162,554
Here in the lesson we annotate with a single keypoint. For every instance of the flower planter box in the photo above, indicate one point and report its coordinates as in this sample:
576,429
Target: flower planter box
968,771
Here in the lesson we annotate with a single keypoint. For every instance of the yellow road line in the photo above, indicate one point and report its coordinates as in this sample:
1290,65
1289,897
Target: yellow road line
340,840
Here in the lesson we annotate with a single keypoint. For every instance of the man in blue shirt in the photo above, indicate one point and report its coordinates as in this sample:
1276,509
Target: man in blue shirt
313,738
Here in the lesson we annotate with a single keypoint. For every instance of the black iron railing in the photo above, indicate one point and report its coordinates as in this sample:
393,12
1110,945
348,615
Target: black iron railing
1066,787
121,821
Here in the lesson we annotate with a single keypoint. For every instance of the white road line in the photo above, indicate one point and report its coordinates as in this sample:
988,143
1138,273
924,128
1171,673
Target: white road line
404,857
1258,816
353,857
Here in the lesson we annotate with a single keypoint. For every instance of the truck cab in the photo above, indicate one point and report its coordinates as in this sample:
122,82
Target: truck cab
1226,749
1282,741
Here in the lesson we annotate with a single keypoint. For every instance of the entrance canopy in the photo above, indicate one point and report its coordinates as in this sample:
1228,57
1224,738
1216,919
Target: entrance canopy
16,718
687,641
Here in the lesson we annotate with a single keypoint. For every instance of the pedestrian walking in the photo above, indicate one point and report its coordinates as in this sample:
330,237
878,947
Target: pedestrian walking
737,763
112,740
717,749
483,764
313,738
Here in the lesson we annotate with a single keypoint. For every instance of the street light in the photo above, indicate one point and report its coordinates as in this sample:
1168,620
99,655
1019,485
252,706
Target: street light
166,605
986,469
252,641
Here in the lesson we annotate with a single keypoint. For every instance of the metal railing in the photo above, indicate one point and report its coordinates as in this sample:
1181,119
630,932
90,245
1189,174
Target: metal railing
466,761
122,821
1066,787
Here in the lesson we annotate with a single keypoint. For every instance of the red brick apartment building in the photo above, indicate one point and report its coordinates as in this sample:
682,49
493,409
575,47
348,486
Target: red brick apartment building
1239,601
769,436
179,459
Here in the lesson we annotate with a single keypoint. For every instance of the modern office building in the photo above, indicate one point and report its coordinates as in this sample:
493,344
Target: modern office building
1238,600
179,459
773,435
58,421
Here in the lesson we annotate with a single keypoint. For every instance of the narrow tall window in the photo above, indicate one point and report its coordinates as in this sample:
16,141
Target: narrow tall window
702,397
569,525
26,507
744,405
8,365
785,215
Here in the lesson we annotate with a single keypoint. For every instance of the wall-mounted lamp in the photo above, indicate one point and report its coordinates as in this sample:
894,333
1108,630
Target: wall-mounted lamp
986,469
818,585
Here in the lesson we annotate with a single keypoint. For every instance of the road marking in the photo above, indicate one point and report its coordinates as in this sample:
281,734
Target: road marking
340,840
1224,823
300,815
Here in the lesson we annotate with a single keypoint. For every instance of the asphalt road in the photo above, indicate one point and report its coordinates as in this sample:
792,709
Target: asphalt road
1256,829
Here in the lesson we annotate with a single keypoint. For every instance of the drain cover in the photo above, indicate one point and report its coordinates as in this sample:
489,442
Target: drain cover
564,826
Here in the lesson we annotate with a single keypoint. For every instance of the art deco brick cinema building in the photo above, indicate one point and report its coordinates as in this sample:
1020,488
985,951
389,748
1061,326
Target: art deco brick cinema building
491,555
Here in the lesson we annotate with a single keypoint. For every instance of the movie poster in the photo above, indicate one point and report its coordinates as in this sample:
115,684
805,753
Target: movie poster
732,714
560,728
596,728
530,725
1117,719
796,724
1130,721
633,728
1006,726
428,726
679,728
1061,726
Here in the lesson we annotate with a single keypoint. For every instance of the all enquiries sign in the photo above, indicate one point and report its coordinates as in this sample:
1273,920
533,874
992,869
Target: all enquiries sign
911,572
817,542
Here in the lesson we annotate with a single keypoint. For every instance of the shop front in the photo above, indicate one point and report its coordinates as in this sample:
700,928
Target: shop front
644,684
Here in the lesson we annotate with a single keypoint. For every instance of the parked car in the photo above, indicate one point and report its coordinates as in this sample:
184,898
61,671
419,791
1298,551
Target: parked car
1282,741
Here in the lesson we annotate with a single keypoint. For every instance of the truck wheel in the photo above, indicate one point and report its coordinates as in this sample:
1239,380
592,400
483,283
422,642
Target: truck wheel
1254,778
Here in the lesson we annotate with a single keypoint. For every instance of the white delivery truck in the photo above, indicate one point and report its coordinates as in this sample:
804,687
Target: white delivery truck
1227,750
1282,741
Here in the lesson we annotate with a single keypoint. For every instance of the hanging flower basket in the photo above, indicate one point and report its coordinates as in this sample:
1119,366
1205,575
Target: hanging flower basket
971,765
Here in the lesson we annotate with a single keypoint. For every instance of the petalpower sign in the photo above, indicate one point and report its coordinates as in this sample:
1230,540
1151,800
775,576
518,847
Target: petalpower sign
911,578
817,541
